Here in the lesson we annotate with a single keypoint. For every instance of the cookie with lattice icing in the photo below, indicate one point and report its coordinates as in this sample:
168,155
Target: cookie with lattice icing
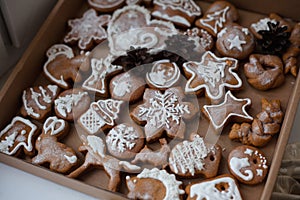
38,100
194,158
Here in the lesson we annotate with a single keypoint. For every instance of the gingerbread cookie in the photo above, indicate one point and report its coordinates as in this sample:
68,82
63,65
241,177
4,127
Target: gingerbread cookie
163,112
131,26
60,157
106,5
212,74
154,184
235,41
63,67
222,187
127,87
95,156
264,72
190,159
248,164
231,108
102,70
71,103
203,40
125,141
38,100
100,115
87,30
217,16
181,13
163,75
18,137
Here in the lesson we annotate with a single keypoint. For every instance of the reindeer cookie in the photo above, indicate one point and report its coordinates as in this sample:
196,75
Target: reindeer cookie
60,157
63,67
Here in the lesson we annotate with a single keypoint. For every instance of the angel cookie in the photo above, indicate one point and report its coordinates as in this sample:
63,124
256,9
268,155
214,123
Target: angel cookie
163,112
87,30
102,69
181,13
230,108
18,136
212,74
63,67
38,100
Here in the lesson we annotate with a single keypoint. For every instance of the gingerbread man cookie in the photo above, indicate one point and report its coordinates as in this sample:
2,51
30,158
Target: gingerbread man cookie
106,5
163,112
18,136
63,67
38,100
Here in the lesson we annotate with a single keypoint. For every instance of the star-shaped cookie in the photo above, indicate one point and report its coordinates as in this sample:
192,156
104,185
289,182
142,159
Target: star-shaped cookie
212,74
164,112
231,107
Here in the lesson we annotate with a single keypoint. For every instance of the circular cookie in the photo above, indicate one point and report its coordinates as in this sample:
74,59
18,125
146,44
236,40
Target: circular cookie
203,40
125,141
71,103
235,41
248,164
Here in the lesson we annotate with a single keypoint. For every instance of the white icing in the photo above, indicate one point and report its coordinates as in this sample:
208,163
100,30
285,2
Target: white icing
122,137
35,97
248,151
105,4
222,32
97,145
236,43
188,156
10,140
259,172
71,159
128,166
51,123
27,108
219,17
186,6
176,18
53,89
172,186
262,24
236,164
122,86
207,190
245,31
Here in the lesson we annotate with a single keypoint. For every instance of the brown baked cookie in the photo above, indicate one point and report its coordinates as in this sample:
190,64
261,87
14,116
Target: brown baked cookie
102,70
248,164
72,103
95,157
87,30
264,72
217,16
203,40
37,101
59,156
154,184
235,41
194,158
18,136
106,5
63,67
222,187
181,13
124,141
163,112
100,115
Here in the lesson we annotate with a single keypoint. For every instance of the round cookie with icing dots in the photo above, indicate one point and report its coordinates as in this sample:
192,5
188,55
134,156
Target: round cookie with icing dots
235,41
202,39
71,103
248,164
154,184
106,5
125,141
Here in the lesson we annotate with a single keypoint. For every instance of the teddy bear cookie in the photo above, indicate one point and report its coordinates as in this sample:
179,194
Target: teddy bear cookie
181,13
248,164
217,16
124,141
87,30
18,136
63,67
154,184
60,157
163,111
106,5
71,104
222,187
37,101
235,41
194,158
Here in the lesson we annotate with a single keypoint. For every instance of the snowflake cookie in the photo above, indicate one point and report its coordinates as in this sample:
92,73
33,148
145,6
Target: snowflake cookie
212,74
163,112
87,30
125,141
